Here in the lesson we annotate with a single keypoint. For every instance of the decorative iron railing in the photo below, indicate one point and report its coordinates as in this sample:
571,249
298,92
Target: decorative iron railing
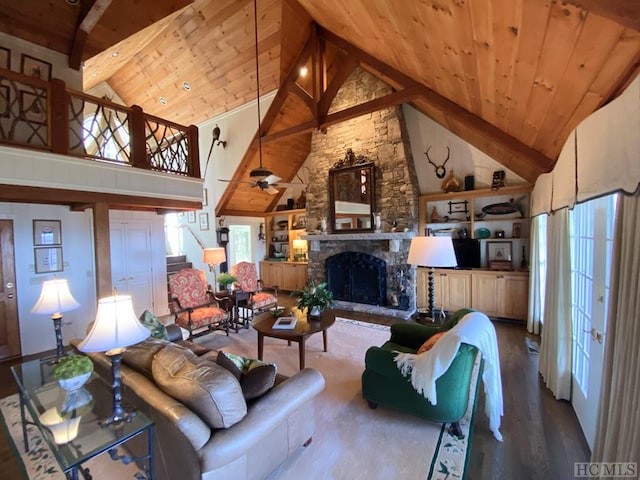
48,116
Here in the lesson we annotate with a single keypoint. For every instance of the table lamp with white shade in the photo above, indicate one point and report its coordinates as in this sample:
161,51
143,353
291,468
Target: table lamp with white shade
115,328
432,252
55,299
214,257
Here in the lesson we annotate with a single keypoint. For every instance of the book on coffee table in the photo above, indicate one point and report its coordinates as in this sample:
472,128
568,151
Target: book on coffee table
285,323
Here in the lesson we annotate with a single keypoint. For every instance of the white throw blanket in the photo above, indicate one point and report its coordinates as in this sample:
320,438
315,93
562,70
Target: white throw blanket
475,329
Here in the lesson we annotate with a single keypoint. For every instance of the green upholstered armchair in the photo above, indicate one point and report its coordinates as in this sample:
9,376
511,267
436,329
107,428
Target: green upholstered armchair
382,382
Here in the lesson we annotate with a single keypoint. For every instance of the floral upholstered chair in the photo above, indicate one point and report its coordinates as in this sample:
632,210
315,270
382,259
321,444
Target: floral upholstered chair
257,300
194,304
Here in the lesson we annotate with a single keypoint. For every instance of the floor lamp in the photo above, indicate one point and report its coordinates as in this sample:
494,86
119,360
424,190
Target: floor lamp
214,257
115,328
55,299
432,252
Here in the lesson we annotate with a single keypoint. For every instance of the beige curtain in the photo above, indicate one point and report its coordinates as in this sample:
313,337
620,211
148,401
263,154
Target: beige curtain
537,277
618,428
555,348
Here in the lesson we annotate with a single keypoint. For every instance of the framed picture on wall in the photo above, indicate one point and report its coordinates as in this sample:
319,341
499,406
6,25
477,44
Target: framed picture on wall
34,67
499,251
48,259
33,107
205,198
191,216
47,232
204,221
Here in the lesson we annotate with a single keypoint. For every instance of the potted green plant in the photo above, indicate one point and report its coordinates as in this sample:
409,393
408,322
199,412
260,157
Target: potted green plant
225,279
72,371
315,297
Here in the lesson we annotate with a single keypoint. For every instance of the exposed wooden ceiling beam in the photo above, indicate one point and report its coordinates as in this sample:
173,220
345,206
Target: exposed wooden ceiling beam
625,12
91,13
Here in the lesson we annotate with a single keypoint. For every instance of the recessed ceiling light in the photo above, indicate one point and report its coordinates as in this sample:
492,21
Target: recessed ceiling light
163,100
186,85
304,71
115,53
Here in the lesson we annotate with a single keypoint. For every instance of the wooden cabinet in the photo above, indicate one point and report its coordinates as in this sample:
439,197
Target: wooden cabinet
501,294
497,294
282,228
452,289
287,275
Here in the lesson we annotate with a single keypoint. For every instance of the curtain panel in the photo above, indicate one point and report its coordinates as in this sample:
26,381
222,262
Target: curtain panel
537,276
617,432
555,348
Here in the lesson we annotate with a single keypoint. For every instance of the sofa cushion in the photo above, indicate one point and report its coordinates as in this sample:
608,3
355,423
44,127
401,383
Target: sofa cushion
208,389
256,377
140,356
151,322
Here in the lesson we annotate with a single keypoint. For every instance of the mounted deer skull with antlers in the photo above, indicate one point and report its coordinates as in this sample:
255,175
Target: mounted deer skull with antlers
440,170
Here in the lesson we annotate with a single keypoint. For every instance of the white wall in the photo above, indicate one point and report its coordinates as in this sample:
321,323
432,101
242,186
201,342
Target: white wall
36,331
465,159
237,128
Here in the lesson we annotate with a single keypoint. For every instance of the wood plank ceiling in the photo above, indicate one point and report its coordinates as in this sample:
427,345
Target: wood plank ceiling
511,77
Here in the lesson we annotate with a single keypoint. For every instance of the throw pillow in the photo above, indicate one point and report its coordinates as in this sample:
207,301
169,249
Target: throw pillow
256,377
206,388
431,341
150,321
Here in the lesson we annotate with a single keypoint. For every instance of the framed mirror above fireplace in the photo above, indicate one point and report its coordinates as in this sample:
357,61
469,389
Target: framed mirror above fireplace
352,198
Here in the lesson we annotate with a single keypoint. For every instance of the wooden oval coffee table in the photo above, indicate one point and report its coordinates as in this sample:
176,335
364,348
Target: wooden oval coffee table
304,328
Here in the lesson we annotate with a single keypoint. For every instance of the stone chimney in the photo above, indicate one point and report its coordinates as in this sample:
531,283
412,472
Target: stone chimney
382,138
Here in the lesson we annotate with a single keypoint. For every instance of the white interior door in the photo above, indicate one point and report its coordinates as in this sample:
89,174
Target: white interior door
591,243
132,263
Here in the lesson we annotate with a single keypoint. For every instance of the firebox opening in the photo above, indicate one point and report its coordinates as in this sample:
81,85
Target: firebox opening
357,277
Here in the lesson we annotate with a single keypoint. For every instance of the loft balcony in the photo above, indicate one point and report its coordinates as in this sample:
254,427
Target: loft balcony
61,139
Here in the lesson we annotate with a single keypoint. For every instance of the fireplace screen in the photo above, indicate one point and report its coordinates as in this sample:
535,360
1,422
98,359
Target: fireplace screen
357,277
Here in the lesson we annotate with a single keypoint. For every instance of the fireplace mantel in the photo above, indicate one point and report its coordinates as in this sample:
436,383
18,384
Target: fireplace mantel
394,238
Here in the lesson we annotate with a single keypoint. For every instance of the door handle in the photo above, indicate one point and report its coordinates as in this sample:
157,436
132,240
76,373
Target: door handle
10,296
596,336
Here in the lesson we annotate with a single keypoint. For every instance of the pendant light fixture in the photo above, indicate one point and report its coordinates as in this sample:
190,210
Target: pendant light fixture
258,174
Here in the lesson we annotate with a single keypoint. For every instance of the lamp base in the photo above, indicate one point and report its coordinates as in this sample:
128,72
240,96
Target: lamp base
118,415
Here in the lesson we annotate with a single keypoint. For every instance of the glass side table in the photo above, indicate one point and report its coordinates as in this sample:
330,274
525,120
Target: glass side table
69,421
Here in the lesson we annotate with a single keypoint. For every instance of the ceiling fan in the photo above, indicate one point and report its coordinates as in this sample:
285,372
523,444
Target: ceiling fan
265,180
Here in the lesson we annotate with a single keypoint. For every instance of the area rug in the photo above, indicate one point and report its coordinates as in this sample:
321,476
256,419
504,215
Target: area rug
39,462
351,440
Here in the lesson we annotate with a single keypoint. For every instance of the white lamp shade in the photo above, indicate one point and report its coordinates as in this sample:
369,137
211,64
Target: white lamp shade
214,256
300,244
55,297
116,326
432,252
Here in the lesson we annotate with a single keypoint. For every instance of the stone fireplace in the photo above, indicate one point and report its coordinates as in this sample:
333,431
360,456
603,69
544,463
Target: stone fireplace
382,138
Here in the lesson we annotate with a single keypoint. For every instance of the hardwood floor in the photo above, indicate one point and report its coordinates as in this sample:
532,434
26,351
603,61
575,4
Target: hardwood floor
542,437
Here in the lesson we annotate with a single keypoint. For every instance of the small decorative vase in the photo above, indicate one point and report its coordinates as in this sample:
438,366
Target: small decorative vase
323,224
74,383
315,311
